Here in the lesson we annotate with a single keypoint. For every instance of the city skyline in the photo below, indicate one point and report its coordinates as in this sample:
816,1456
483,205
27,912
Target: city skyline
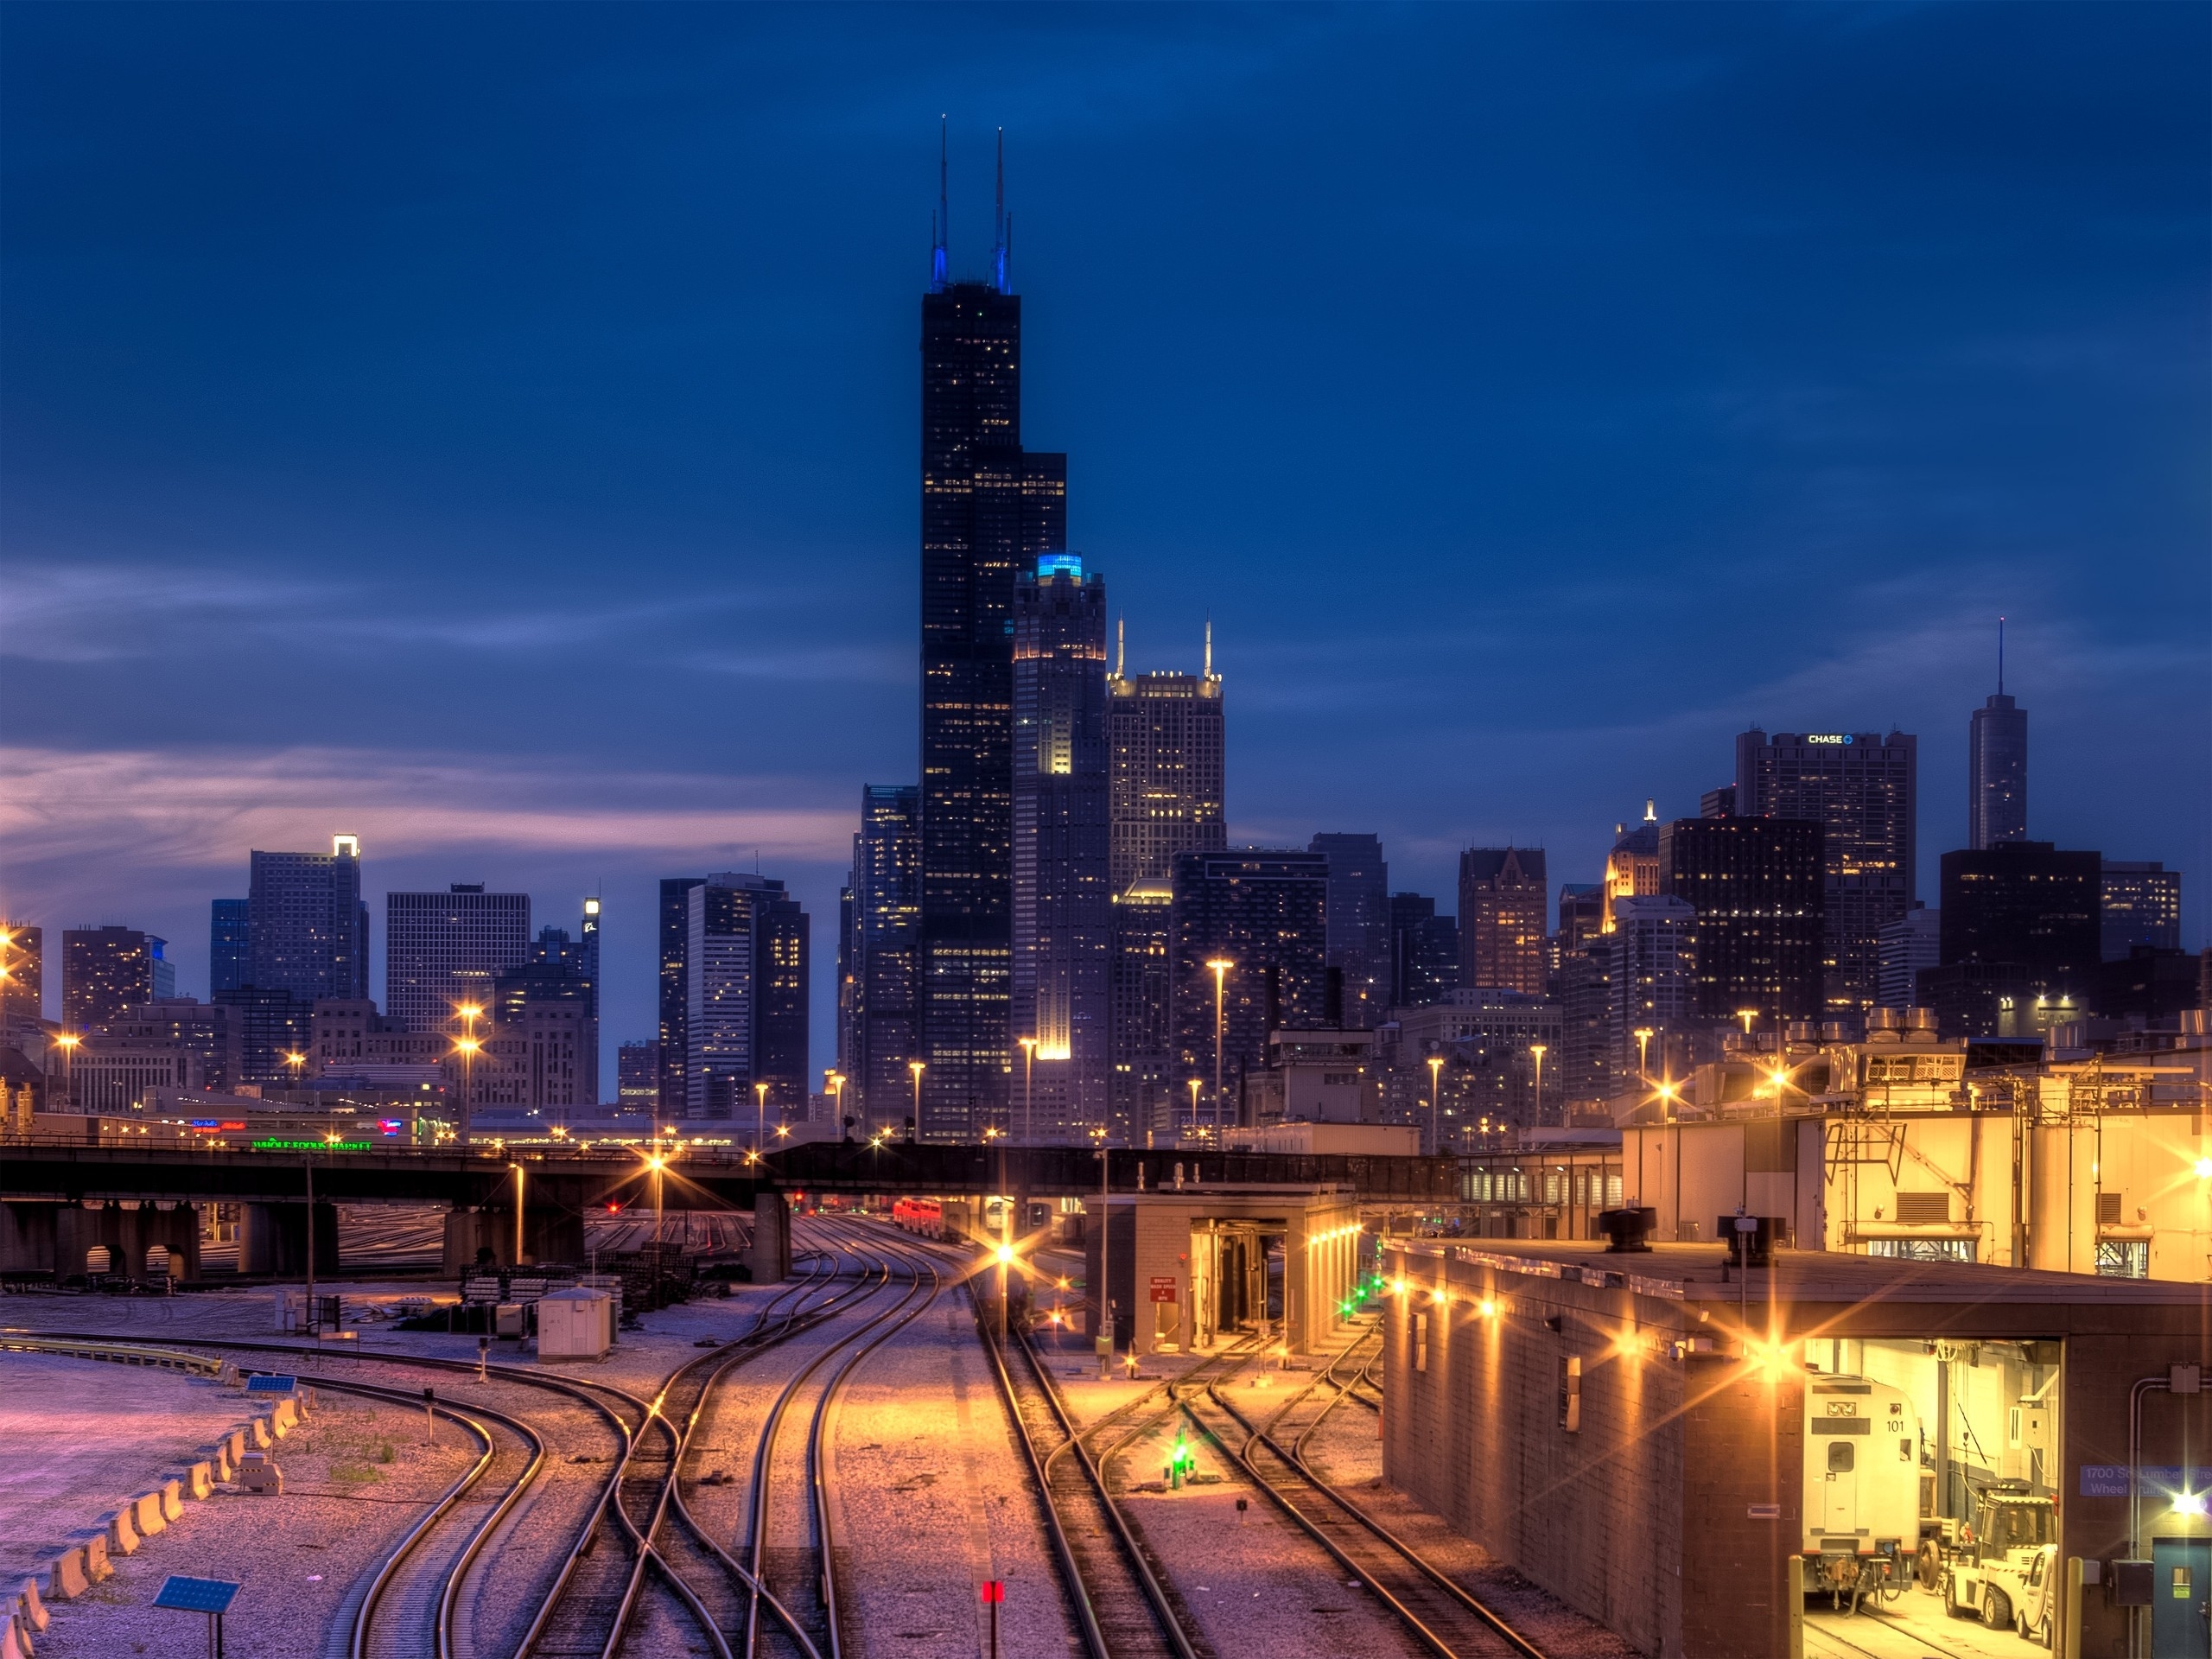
1362,707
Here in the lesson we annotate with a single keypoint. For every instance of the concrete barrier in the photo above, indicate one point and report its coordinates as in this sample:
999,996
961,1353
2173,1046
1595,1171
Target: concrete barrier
30,1608
257,1438
83,1563
148,1516
121,1535
197,1480
172,1499
284,1419
15,1641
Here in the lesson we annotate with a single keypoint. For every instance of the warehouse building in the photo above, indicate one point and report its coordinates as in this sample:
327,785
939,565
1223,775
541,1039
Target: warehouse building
1682,1449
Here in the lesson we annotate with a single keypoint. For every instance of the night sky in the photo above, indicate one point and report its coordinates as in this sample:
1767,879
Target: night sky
492,430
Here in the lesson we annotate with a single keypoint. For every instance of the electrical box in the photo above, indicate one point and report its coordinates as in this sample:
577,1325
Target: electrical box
2129,1583
574,1325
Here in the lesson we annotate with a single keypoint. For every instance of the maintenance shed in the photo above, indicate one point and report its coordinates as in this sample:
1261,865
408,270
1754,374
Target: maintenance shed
1680,1447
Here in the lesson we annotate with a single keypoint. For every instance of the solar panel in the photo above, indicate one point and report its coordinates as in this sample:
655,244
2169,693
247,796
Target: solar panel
196,1595
271,1384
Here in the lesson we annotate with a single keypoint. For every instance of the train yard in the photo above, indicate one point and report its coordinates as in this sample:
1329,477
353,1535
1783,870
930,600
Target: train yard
844,1463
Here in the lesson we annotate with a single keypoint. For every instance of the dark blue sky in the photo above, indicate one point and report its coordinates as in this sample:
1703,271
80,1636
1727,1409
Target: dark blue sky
493,429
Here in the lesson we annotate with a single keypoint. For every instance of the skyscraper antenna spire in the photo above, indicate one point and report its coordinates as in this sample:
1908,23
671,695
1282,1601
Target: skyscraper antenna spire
942,223
998,224
1208,645
2000,655
1120,646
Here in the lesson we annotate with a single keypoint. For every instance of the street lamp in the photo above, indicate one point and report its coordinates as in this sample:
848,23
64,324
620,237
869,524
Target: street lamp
835,1082
1435,1126
468,1044
656,1163
1219,966
517,1170
1747,1015
1539,1051
917,1067
1644,1036
761,1119
1195,1086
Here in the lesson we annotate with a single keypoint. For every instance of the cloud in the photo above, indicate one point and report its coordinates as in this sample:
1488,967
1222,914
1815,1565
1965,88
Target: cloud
206,810
108,613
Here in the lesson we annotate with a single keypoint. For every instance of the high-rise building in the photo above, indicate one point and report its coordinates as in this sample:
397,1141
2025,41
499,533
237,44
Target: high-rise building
1503,905
1424,951
1358,926
1861,788
1632,866
230,943
442,950
549,999
2021,934
884,964
1996,766
272,1026
213,1034
1169,735
22,974
1757,885
1143,984
1584,909
1263,913
675,993
1654,950
745,974
988,507
2139,905
1905,946
308,931
105,970
1063,930
636,1078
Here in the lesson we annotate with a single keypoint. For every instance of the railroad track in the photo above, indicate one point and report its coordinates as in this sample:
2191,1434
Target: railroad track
1438,1611
1124,1604
411,1606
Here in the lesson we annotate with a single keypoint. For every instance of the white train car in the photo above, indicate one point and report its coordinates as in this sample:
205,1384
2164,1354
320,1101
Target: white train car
1862,1481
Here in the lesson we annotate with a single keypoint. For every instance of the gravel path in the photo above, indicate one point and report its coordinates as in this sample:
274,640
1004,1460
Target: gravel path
86,1437
932,1499
356,1478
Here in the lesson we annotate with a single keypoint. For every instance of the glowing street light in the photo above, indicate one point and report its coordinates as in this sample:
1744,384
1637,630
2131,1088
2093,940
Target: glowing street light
1435,1102
1195,1086
761,1119
1644,1036
917,1067
1747,1015
1537,1050
1218,967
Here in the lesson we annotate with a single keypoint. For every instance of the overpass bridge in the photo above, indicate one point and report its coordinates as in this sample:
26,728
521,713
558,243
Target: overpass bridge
58,1198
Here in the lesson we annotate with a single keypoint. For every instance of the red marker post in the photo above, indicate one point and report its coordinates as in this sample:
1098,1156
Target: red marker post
994,1598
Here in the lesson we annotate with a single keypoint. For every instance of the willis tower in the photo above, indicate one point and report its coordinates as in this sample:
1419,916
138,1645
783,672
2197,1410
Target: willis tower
988,508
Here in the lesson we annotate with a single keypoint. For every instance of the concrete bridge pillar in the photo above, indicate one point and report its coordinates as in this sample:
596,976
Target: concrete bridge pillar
770,1258
551,1233
273,1239
27,1235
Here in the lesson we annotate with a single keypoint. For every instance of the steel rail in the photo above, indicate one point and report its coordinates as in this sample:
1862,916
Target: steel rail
1491,1622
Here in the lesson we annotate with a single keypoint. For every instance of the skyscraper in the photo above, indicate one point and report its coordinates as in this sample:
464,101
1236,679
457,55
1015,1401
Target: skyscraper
884,962
1062,912
230,943
1424,951
308,931
1263,913
1632,867
1758,886
1905,946
2141,905
1862,789
1143,985
1996,766
23,973
1169,735
745,975
674,992
2021,930
1502,903
105,970
1358,924
554,973
444,949
988,506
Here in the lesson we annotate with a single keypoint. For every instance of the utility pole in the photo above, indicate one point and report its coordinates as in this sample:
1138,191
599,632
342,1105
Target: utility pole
1220,967
1105,1277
